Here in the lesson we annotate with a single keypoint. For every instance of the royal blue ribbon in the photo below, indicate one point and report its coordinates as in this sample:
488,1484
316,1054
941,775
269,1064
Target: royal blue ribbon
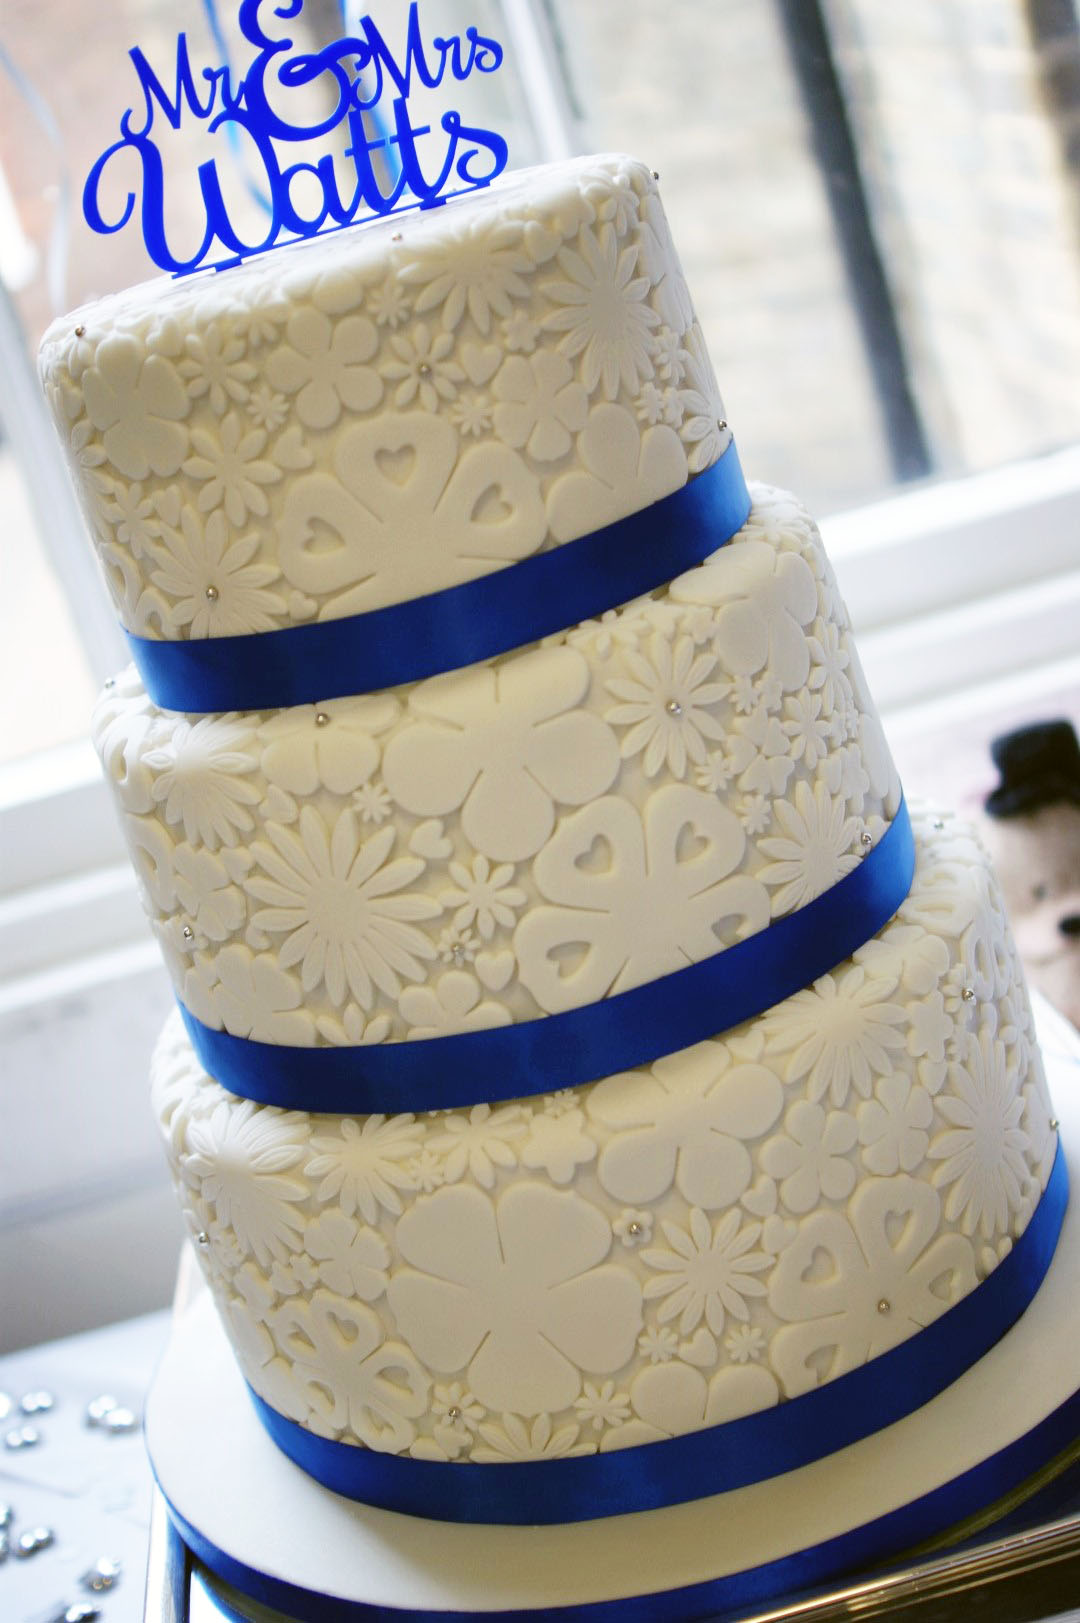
578,1045
717,1458
998,1302
443,631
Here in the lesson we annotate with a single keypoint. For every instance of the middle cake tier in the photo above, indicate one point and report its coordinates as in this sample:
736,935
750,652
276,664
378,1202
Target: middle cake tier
523,837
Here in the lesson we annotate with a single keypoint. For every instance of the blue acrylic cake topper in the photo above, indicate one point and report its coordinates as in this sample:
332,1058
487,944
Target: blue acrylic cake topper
471,157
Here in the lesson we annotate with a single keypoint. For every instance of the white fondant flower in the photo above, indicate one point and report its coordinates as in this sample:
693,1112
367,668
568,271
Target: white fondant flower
634,1227
215,588
624,470
744,1343
888,1250
601,1405
982,1151
214,366
810,1158
140,403
504,742
351,1378
603,312
479,1142
322,364
478,267
516,1441
517,1292
519,333
829,666
266,408
205,891
231,469
251,996
137,517
540,405
330,746
422,367
839,1032
658,1343
809,733
200,774
352,1261
757,753
239,1159
340,537
815,849
558,1145
707,1272
335,897
389,302
483,895
648,910
665,705
685,1119
454,1004
893,1126
763,599
361,1167
702,423
472,414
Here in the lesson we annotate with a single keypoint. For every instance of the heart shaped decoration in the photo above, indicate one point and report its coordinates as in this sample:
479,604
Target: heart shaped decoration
428,840
495,968
760,1201
481,361
700,1349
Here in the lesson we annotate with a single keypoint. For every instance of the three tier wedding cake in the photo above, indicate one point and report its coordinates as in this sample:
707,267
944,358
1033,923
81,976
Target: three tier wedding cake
584,1053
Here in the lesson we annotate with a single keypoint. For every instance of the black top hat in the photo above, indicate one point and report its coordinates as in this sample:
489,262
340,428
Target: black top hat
1039,765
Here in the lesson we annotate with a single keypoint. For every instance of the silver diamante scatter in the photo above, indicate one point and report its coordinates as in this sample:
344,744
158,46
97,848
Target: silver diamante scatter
98,1408
5,1405
83,1611
120,1419
36,1402
7,1516
22,1437
33,1540
104,1574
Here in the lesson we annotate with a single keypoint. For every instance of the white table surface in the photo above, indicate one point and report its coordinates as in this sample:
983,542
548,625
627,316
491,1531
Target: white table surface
92,1488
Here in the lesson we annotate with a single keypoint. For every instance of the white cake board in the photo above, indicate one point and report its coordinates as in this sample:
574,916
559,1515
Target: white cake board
255,1512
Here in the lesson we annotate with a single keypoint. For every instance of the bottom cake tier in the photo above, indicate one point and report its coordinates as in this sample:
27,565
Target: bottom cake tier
666,1250
277,1539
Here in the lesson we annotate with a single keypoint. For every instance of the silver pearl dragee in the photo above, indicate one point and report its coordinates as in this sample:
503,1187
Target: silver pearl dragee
884,1306
633,1227
968,994
321,719
119,1420
424,369
939,823
656,174
201,1239
22,1437
453,1413
7,1516
188,933
99,1407
1054,1124
396,237
673,707
104,1574
33,1540
457,953
5,1405
83,1611
80,332
36,1402
5,1545
866,840
212,593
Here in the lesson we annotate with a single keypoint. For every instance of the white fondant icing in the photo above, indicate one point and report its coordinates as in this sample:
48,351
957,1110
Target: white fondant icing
658,1250
521,837
383,412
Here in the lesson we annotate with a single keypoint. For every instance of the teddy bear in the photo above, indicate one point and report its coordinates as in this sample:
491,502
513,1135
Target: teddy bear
1033,830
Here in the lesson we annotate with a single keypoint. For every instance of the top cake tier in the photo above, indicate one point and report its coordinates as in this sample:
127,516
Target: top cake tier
378,414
